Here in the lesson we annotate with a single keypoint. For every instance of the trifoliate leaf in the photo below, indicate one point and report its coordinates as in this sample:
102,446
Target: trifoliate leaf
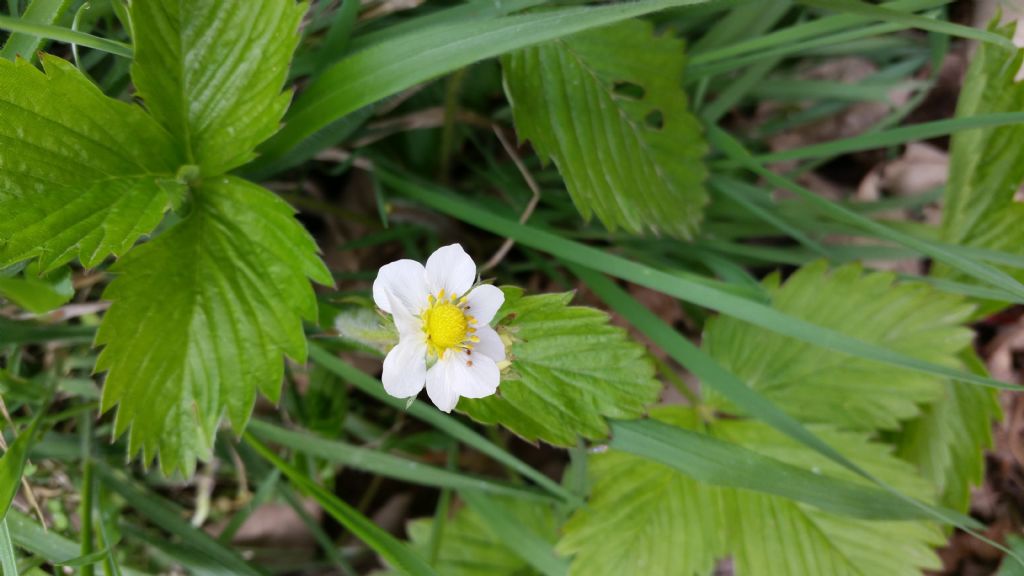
570,370
38,293
469,547
608,107
211,72
81,174
818,385
201,317
646,518
948,441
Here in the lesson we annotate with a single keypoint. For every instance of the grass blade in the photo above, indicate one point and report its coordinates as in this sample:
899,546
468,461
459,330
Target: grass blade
520,539
892,137
708,459
885,14
12,464
8,561
436,418
390,67
385,464
165,515
984,272
697,293
45,12
61,34
396,553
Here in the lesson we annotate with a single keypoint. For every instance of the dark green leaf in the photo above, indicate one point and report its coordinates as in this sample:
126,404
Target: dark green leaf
81,174
211,72
201,317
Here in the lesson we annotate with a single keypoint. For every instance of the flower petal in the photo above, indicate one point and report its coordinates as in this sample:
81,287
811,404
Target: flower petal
483,302
490,344
438,388
472,375
406,282
451,269
405,368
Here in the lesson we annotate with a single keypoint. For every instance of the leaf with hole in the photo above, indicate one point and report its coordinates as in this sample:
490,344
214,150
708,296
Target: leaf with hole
607,106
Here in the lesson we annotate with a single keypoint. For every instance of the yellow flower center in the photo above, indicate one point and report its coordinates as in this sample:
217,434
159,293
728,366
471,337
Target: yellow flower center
448,325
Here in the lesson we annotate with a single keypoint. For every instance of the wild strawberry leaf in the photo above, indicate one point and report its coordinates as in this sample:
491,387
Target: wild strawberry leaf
608,107
201,317
987,165
470,547
211,72
646,518
817,385
81,175
570,369
948,440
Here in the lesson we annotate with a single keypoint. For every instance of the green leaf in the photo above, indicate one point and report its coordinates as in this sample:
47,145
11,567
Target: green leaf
211,72
815,385
646,518
8,560
12,463
37,293
608,107
714,461
570,370
537,550
471,547
38,12
201,317
398,63
30,536
948,441
81,174
987,165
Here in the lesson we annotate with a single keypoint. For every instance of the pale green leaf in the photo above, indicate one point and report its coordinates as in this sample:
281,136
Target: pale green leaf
608,107
81,174
987,165
815,385
38,293
201,317
948,441
211,72
470,547
570,370
647,518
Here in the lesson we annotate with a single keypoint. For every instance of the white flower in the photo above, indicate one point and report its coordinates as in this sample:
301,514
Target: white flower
443,322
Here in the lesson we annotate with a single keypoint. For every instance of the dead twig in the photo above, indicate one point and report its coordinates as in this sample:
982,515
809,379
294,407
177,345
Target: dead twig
530,207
